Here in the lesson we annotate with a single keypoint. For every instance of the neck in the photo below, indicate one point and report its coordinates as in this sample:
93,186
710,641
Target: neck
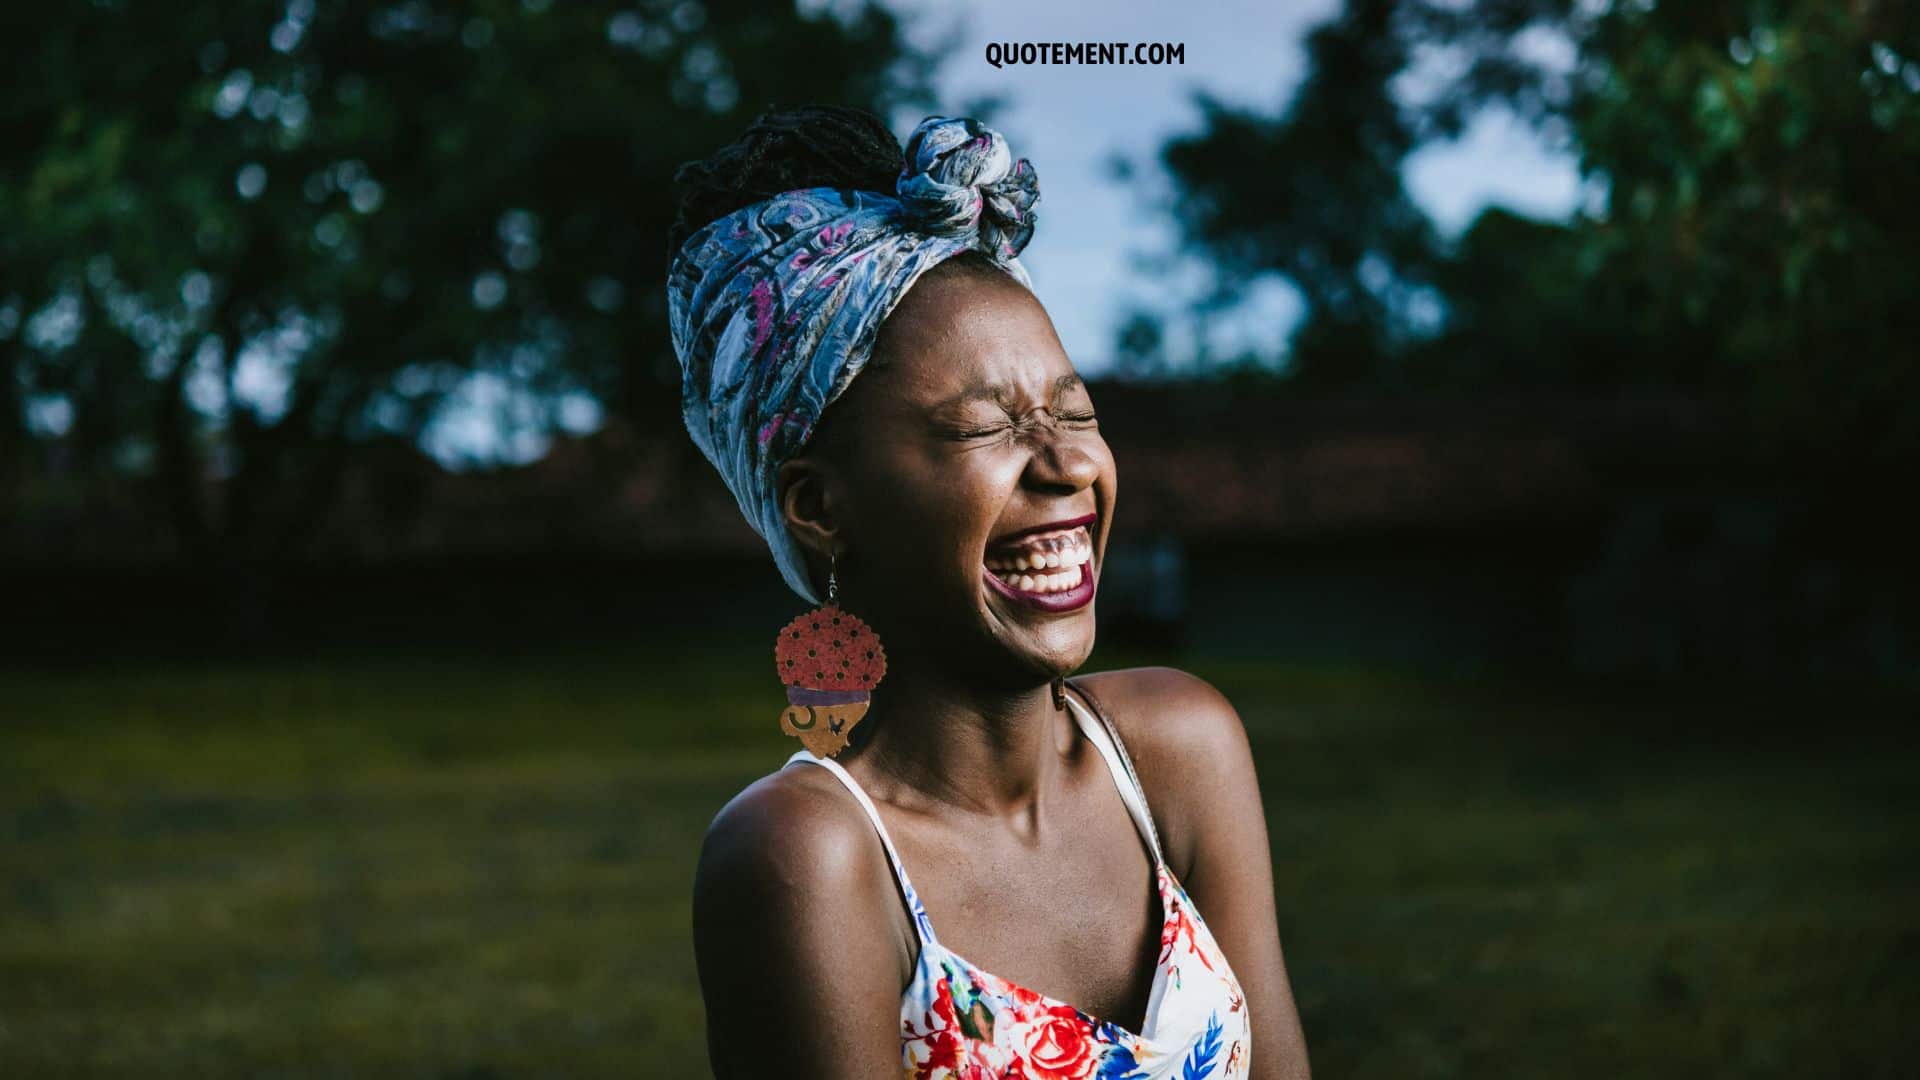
987,749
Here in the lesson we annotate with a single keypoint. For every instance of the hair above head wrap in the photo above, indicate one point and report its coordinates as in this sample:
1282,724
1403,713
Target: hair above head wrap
774,307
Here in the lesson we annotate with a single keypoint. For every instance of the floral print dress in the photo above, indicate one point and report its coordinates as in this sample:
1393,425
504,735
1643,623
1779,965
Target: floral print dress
958,1022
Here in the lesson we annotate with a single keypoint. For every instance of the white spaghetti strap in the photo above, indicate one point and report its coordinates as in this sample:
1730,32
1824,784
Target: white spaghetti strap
918,914
873,812
1107,741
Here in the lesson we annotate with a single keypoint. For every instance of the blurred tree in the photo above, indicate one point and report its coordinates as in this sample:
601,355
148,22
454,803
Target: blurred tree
1141,348
1315,194
1761,161
1755,245
243,238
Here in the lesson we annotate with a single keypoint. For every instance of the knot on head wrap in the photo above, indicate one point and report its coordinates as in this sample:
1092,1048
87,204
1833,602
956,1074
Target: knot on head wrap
774,308
960,178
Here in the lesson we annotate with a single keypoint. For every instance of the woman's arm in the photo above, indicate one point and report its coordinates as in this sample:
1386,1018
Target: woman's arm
1197,768
801,959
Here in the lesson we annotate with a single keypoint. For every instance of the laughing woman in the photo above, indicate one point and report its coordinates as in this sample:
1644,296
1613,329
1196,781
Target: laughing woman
1091,893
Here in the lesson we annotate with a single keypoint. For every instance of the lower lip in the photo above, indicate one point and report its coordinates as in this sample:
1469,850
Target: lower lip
1071,599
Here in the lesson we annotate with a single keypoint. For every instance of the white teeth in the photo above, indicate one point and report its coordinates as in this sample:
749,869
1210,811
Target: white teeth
1076,549
1045,583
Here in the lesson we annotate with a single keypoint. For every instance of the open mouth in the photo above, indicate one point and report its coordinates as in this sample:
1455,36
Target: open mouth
1049,571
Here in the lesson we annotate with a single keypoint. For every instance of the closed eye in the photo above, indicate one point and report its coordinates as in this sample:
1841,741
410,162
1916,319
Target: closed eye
1001,429
983,432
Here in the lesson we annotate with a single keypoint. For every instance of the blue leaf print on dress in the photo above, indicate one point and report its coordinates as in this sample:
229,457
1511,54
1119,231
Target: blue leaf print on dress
1119,1064
1199,1064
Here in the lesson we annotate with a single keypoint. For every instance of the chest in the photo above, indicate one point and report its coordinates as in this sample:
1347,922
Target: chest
1072,912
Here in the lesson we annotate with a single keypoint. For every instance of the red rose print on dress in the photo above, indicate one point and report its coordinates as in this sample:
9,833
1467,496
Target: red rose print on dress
1057,1046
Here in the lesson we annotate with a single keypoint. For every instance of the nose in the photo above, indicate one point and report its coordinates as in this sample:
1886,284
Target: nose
1062,460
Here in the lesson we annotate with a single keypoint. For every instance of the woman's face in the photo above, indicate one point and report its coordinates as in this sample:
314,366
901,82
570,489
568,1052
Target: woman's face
970,426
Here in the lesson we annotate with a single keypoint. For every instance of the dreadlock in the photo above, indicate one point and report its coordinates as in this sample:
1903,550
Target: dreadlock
801,147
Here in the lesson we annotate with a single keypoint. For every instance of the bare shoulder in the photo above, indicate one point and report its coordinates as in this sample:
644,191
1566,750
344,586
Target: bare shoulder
1188,744
1171,719
786,858
790,832
793,892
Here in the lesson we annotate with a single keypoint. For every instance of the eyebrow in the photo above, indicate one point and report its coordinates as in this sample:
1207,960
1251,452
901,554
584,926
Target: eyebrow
997,392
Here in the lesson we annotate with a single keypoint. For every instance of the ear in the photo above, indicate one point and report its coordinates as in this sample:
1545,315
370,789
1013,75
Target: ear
808,504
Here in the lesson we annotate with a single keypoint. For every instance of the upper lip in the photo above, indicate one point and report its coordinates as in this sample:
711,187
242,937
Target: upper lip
1070,523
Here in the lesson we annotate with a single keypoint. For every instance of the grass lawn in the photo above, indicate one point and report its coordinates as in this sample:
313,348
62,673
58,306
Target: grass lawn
480,868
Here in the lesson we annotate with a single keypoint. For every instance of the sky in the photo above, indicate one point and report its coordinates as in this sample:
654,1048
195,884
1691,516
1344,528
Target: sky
1095,231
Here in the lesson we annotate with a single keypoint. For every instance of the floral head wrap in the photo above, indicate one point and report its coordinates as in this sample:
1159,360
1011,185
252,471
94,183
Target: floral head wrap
774,308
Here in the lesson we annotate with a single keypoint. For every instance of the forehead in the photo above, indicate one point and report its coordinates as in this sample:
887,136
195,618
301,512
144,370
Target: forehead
957,338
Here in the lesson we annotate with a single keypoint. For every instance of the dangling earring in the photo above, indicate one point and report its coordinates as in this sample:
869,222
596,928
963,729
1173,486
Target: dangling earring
1060,692
830,661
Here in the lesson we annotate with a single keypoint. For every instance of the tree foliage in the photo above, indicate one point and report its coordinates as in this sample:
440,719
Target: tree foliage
1755,243
1315,194
1761,162
244,238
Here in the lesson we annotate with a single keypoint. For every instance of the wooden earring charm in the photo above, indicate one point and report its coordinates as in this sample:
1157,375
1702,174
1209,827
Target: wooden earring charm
830,661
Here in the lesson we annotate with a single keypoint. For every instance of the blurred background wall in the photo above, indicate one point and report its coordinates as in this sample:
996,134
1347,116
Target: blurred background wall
1475,370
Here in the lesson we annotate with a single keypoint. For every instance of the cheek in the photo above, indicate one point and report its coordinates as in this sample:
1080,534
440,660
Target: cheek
943,508
1106,492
